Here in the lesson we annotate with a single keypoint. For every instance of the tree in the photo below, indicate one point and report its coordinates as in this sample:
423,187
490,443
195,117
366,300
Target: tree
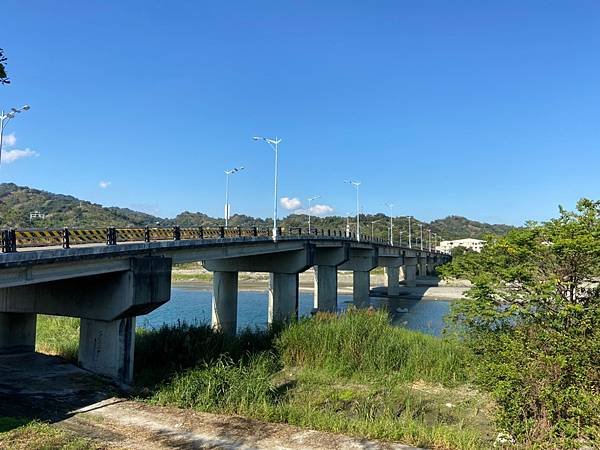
3,76
532,320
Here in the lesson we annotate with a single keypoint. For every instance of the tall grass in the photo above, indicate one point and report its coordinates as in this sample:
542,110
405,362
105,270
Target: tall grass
58,336
364,343
225,386
171,349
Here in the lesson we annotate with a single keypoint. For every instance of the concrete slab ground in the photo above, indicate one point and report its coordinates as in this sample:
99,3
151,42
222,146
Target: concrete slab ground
38,386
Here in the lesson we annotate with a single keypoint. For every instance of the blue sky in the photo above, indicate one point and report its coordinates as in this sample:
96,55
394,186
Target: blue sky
489,110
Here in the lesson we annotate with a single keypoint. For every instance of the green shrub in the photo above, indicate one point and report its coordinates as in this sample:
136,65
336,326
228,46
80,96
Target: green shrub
532,320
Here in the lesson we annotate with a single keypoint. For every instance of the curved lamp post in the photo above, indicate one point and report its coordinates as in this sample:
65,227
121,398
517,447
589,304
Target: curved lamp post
356,185
227,207
5,118
310,199
274,144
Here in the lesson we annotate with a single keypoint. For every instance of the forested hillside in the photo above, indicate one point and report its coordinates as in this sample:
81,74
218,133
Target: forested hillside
16,202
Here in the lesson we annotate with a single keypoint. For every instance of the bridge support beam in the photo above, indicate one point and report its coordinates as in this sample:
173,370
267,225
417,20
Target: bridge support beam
392,275
283,297
106,347
391,265
106,304
17,332
423,266
325,293
326,261
410,271
361,261
361,288
225,302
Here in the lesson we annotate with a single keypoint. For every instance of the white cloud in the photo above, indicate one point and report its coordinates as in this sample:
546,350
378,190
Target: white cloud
104,184
9,140
290,203
315,210
321,210
10,156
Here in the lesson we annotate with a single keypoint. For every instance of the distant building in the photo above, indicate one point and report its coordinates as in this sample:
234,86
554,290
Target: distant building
471,244
36,215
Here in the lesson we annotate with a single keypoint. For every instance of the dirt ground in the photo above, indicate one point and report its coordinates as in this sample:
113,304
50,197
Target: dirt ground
37,386
119,423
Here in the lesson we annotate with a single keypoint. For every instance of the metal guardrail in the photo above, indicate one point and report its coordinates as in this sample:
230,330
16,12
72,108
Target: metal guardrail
12,239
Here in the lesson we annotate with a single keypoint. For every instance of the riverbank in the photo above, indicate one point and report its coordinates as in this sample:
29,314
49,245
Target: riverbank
354,375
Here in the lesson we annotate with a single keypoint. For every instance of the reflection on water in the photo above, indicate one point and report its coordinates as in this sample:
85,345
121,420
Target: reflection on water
193,305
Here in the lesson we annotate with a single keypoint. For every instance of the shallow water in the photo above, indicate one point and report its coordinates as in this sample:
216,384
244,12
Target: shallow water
193,305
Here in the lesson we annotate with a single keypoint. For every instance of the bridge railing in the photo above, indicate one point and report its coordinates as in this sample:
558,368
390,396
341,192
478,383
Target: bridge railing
12,239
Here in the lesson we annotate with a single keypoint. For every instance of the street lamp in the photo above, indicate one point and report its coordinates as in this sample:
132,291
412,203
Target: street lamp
274,143
5,118
372,223
356,185
227,207
310,199
434,241
429,231
400,243
391,206
421,235
348,214
409,231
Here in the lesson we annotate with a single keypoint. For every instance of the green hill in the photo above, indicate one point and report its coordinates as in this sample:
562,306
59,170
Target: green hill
16,203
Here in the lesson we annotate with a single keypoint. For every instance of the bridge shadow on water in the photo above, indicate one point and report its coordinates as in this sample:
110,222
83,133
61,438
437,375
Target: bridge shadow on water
413,308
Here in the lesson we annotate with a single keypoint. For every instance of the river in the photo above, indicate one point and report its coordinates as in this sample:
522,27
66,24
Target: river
192,305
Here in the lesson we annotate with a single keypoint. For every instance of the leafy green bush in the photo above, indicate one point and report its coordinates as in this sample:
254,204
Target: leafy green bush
533,322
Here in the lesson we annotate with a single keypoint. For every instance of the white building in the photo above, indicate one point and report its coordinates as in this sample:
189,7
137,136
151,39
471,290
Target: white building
36,215
471,244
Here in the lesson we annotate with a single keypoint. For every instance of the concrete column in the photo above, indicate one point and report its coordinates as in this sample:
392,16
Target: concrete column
17,332
431,265
225,302
106,347
410,271
422,266
393,280
361,288
325,294
283,297
401,273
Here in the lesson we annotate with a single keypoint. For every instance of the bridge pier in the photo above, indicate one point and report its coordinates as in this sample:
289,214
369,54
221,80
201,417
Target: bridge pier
327,260
225,301
361,261
361,288
325,292
106,304
283,267
17,332
283,297
391,265
423,266
410,271
106,347
392,275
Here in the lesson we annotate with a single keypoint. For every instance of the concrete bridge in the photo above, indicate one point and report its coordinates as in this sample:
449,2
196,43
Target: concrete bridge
106,281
